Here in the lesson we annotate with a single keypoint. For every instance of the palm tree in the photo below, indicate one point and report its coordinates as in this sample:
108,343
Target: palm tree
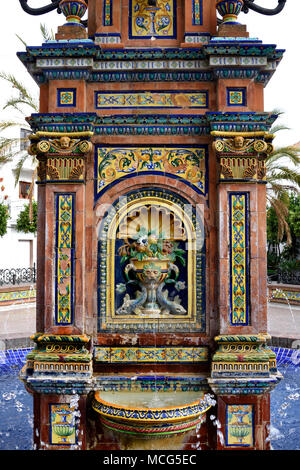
22,102
283,178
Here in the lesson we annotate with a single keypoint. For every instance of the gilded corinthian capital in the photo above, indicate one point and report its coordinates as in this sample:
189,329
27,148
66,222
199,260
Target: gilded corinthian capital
242,155
64,144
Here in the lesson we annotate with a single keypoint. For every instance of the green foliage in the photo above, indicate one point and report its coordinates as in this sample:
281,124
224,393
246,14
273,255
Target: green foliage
4,216
284,257
294,215
272,226
23,220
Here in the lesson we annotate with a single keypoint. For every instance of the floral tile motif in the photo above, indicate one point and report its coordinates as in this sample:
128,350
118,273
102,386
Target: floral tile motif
239,425
185,163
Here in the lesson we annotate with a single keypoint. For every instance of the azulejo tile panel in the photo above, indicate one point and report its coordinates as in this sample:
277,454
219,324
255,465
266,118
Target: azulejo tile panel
239,425
188,164
151,255
151,354
236,97
64,252
151,99
146,21
239,258
66,97
62,424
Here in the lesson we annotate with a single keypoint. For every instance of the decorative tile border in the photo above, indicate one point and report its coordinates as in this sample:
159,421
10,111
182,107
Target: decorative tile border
284,294
146,355
107,38
66,97
257,61
24,294
151,99
64,253
107,12
197,12
197,38
239,258
62,425
239,425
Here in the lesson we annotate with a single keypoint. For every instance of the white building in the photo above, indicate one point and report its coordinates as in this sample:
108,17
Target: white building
17,249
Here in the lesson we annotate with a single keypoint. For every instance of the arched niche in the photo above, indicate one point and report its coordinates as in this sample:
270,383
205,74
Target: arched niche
151,264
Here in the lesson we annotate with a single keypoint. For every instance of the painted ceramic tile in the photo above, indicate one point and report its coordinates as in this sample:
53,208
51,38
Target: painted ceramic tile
151,99
239,425
107,12
197,12
286,295
64,259
239,258
151,354
17,295
236,97
66,97
62,425
187,164
146,21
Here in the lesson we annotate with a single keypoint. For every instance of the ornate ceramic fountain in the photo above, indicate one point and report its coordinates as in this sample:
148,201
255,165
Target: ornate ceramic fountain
151,275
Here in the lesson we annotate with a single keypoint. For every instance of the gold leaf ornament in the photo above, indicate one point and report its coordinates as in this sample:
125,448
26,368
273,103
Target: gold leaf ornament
43,146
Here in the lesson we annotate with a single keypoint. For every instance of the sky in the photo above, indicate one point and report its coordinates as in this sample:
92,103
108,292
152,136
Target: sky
281,93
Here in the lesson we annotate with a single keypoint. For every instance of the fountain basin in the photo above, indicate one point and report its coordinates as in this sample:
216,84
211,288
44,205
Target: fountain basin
148,413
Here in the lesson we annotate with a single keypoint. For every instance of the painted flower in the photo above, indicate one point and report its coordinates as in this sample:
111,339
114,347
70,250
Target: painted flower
167,247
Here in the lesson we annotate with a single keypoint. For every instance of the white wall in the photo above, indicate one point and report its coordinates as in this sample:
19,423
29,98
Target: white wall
16,250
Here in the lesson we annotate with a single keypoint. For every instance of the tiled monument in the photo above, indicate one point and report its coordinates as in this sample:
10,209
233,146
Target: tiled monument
151,278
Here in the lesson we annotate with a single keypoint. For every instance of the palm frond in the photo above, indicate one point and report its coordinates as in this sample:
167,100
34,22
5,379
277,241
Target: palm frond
9,124
22,40
18,168
46,34
24,95
281,210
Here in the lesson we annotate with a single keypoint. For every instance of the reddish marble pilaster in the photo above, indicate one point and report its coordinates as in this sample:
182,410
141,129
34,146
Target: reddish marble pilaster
259,437
45,437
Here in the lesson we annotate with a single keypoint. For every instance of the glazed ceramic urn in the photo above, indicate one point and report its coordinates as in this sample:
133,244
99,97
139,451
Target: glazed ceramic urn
73,10
229,10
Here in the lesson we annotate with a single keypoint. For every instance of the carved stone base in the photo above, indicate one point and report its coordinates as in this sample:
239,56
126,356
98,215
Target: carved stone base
68,31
